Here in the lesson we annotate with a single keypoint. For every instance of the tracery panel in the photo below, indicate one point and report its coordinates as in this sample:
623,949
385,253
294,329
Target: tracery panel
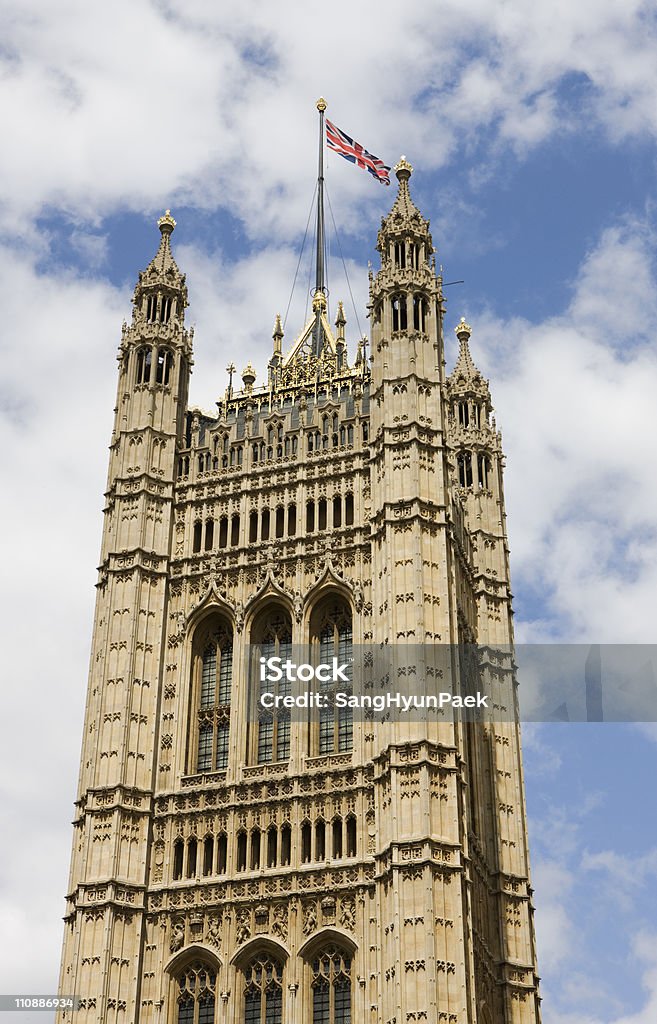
331,986
263,990
196,991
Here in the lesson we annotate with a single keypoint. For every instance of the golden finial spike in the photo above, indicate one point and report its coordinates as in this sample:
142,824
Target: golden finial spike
403,169
166,224
462,330
248,376
321,104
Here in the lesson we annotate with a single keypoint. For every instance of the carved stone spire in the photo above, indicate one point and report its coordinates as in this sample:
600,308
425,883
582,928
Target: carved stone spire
404,218
465,377
278,334
161,288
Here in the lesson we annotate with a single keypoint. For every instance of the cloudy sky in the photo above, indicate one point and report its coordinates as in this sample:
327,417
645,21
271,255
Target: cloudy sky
531,127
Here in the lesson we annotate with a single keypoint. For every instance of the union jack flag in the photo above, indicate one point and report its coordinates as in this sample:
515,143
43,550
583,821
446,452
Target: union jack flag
354,152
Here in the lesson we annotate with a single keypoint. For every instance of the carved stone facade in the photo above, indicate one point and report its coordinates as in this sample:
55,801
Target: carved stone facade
238,866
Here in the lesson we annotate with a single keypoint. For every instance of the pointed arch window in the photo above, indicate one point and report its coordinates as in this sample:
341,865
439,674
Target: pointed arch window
419,312
399,315
464,462
164,366
332,637
214,667
331,987
196,995
144,359
271,638
263,990
483,468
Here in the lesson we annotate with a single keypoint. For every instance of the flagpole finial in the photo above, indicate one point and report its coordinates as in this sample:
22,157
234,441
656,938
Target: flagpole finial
319,302
321,104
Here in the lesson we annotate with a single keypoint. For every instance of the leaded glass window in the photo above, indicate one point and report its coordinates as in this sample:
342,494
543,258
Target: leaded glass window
263,991
215,669
274,640
333,638
196,995
331,987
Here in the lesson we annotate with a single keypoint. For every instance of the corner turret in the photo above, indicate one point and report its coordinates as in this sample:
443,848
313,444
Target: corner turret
477,465
156,349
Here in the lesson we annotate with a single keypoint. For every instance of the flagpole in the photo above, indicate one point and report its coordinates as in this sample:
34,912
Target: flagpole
319,278
320,287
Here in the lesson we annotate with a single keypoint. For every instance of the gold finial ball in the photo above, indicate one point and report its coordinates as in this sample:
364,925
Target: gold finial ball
462,330
321,104
403,169
166,224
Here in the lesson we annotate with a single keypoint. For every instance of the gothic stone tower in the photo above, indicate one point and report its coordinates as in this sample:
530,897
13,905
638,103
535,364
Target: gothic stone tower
260,866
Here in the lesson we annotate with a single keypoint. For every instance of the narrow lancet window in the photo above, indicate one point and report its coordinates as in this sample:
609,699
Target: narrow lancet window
399,318
331,636
272,638
215,669
144,359
163,368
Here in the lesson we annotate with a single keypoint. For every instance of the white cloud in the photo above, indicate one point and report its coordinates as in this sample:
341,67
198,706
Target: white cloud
59,338
627,875
556,930
643,949
574,394
157,104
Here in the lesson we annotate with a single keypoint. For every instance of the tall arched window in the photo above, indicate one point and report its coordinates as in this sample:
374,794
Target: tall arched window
196,994
483,466
163,366
263,990
331,986
144,358
214,670
399,318
332,637
464,462
271,638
